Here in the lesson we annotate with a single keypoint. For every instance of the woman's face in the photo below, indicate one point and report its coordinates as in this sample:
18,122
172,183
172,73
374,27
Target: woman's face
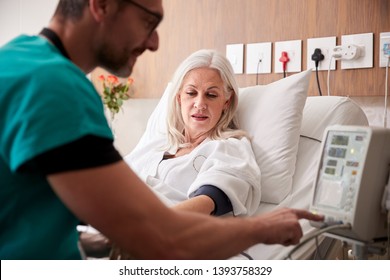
202,100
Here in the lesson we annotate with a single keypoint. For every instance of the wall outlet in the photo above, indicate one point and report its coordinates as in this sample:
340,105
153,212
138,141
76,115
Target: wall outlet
348,52
294,52
384,48
359,54
326,45
235,54
258,58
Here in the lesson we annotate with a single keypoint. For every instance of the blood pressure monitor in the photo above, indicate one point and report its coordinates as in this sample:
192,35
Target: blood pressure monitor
351,177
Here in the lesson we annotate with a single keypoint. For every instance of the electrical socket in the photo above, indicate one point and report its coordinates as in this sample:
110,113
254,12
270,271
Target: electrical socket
255,52
349,52
294,51
362,55
383,43
326,45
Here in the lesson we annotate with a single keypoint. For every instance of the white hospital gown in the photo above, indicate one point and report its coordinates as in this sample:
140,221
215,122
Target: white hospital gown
226,164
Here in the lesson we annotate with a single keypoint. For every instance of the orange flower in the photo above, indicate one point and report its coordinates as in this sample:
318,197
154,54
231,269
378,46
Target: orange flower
114,92
130,80
112,79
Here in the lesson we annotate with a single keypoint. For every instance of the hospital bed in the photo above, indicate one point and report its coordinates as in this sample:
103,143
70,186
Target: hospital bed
298,131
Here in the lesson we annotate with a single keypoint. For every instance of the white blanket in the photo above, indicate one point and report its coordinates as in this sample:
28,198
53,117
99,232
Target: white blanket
227,164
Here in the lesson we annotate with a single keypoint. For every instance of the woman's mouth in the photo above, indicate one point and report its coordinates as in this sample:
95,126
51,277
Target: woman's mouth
199,117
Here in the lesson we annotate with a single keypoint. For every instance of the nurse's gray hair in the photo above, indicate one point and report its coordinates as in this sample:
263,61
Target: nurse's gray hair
226,127
72,9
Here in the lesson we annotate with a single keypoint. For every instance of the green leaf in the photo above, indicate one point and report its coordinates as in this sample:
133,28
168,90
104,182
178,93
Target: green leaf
107,90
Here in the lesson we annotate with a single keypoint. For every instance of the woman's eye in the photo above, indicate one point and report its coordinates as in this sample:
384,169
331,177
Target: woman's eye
191,93
212,95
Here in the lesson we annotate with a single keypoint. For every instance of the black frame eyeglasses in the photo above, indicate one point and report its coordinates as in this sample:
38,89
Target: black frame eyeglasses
158,16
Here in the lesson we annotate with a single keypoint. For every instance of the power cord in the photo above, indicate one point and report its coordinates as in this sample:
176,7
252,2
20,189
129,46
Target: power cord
336,56
284,59
344,52
315,235
257,70
317,56
328,77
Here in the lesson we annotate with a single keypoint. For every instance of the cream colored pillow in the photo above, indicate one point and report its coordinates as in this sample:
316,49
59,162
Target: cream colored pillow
272,115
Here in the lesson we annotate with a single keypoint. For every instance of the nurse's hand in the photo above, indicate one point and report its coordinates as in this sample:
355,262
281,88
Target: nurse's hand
282,226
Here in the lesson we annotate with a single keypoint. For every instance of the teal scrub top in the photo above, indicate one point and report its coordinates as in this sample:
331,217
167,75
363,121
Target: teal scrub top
45,102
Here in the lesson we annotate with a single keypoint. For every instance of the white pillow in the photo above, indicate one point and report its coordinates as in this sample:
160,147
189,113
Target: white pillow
272,115
156,127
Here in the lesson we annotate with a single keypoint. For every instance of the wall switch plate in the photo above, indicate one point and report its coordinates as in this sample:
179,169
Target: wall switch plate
235,54
365,43
326,45
294,51
258,58
384,39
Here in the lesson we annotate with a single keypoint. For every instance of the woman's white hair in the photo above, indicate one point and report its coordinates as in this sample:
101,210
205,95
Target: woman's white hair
226,127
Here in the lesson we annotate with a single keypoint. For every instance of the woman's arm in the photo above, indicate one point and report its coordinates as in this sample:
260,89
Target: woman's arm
230,165
200,204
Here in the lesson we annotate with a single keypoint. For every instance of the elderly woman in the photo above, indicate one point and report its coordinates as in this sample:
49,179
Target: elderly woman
207,164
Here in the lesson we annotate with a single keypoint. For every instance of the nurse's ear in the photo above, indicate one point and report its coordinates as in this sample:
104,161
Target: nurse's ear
99,9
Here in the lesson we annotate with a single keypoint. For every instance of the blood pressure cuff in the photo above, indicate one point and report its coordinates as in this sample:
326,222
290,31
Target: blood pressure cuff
221,201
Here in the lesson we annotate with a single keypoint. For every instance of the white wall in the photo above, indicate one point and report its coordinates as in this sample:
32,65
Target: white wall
24,16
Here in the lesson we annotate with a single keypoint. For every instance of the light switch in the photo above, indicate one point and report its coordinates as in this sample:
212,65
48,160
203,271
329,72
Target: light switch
235,54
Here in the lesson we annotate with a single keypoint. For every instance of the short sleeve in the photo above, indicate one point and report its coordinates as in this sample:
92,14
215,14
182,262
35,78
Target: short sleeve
53,107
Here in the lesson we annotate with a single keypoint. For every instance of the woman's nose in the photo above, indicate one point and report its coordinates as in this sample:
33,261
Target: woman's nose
200,104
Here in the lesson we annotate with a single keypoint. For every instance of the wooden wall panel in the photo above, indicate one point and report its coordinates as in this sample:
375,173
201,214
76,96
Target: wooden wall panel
190,25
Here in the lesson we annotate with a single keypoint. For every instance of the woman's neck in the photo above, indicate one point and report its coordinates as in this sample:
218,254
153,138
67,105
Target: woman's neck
195,141
192,143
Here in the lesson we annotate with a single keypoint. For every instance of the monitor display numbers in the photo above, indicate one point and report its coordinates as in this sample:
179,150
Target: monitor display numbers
337,152
332,162
340,140
330,171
